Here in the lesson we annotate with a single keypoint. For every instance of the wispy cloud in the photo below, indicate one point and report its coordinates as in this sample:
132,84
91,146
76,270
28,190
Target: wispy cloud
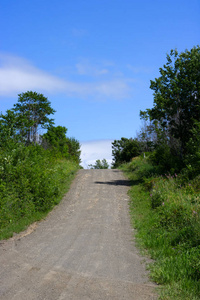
86,68
93,150
139,69
19,75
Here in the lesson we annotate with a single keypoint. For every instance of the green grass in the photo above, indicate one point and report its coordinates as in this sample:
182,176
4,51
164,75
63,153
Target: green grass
165,211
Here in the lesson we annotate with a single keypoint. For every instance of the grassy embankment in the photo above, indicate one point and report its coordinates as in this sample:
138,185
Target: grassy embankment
32,182
165,210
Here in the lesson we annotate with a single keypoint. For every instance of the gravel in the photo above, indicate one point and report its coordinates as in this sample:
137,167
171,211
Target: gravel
83,250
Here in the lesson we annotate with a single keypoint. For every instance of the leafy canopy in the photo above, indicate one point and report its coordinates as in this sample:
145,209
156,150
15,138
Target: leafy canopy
124,150
32,111
177,96
175,117
56,139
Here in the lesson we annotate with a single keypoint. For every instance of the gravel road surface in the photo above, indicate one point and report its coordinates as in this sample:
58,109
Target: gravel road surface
83,250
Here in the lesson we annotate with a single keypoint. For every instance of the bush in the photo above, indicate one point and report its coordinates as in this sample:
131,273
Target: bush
32,180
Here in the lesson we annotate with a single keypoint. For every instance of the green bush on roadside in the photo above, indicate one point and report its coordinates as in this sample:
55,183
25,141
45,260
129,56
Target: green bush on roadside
165,210
32,182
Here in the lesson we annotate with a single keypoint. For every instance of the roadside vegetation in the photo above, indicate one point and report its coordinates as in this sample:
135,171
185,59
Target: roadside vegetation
35,170
163,165
165,210
99,164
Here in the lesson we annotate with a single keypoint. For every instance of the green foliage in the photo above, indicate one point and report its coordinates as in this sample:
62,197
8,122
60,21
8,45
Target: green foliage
8,130
146,137
33,176
56,140
124,150
32,111
192,159
74,149
21,125
100,164
176,111
163,157
32,181
165,208
165,211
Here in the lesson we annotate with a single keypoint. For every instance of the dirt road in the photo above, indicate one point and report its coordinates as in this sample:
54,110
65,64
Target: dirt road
83,250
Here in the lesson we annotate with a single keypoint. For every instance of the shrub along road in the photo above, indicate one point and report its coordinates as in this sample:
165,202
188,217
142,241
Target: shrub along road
83,250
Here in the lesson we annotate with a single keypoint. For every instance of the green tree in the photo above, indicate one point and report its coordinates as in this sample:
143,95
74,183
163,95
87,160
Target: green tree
74,148
32,111
100,164
56,139
55,135
177,100
124,150
8,129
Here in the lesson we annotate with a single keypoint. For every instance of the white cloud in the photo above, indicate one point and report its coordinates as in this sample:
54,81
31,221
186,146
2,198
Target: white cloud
93,150
116,88
19,75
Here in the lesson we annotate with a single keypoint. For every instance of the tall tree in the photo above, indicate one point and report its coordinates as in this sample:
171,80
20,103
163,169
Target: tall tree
32,111
177,98
74,148
124,150
57,140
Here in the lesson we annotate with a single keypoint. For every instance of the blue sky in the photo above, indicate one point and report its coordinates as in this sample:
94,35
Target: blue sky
93,59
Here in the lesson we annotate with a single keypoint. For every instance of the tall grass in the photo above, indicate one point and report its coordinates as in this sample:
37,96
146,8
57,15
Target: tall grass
165,210
32,181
